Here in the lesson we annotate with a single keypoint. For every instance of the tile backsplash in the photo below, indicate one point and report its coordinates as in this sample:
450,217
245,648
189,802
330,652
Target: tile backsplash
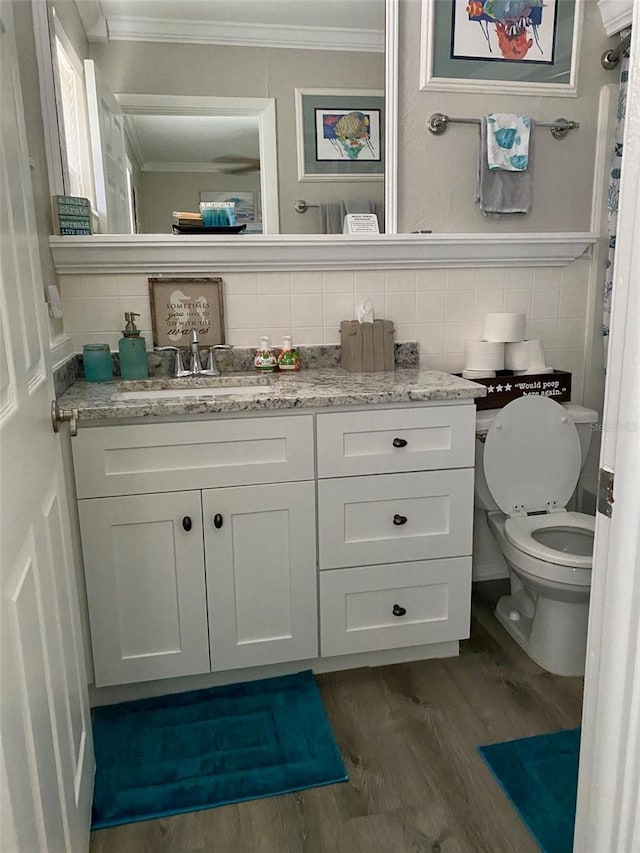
440,308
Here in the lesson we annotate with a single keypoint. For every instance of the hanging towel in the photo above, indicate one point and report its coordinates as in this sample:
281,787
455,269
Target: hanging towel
508,141
499,192
332,214
331,217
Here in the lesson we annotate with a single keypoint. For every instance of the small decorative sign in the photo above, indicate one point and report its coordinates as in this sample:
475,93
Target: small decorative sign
506,387
360,223
179,305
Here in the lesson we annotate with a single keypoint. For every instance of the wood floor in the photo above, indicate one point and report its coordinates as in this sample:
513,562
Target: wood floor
408,736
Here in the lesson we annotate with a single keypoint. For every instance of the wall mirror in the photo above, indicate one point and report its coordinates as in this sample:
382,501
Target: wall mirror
202,97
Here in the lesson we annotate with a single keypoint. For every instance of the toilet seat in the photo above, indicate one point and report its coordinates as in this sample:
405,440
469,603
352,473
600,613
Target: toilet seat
532,456
519,532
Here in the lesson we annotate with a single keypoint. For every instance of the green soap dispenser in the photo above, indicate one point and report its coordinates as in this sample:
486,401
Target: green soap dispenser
133,351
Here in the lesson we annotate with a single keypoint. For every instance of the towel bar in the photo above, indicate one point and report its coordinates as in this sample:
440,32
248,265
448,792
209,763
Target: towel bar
301,206
560,127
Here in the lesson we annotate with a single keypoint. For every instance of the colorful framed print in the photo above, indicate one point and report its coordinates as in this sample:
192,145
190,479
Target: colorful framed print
527,48
340,134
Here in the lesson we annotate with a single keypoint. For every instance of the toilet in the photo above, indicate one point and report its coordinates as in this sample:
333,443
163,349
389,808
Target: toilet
528,460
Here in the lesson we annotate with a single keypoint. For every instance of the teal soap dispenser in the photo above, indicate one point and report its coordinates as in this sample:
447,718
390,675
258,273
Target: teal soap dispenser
133,351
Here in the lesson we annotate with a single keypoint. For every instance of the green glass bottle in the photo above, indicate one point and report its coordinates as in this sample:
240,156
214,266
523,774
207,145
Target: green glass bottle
133,351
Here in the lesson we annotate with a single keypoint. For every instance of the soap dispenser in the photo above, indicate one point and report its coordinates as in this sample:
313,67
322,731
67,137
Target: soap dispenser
133,351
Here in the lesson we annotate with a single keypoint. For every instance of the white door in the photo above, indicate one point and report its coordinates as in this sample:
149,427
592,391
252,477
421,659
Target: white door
260,553
108,152
144,567
608,806
46,779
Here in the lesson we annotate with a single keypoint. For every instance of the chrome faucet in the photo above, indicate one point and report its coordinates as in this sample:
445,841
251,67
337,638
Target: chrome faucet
195,363
179,371
195,358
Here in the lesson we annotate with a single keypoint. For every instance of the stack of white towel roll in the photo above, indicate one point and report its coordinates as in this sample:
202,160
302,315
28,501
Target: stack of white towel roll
503,347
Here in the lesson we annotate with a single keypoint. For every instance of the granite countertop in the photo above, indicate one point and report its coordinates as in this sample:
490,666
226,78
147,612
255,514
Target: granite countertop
321,388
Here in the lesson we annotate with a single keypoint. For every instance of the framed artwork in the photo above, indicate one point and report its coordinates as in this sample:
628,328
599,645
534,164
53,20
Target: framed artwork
485,46
179,305
340,134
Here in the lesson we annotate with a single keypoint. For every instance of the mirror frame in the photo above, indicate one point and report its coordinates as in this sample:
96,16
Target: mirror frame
191,105
114,253
267,135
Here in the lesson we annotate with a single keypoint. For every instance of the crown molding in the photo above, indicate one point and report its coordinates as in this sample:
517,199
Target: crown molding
616,15
165,253
162,166
123,28
93,20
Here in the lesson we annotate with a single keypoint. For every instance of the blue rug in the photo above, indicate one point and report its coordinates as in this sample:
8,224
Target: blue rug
540,777
206,748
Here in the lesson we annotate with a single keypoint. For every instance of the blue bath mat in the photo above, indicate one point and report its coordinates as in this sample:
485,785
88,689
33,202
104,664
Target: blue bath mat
540,777
206,748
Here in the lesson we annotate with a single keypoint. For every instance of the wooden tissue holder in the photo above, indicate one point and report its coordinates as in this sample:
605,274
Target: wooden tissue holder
367,347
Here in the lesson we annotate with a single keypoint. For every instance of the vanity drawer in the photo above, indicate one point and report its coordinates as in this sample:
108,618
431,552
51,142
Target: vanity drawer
387,607
395,517
128,460
390,440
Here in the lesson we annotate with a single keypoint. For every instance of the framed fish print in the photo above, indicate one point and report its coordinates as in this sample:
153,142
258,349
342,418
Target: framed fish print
527,47
340,134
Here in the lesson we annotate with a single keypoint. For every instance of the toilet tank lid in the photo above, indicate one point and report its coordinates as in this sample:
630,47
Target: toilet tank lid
579,415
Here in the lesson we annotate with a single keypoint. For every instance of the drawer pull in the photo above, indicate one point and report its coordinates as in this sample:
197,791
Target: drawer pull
186,523
400,442
399,519
217,521
399,611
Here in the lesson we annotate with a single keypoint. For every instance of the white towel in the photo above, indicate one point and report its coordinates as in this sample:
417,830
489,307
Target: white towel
508,141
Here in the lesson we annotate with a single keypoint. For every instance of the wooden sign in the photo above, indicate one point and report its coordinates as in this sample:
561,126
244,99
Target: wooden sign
506,387
179,305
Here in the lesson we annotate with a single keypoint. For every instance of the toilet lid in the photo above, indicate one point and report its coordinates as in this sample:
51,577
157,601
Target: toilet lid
532,456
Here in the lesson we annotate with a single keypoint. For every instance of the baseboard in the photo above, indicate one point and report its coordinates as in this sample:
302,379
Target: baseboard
141,690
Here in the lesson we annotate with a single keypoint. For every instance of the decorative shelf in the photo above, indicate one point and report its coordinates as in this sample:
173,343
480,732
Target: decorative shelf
167,253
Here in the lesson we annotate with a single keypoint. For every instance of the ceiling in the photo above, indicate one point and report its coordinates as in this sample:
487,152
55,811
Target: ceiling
190,143
320,24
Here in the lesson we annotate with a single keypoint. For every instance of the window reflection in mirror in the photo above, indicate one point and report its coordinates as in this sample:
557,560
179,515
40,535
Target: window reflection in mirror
231,50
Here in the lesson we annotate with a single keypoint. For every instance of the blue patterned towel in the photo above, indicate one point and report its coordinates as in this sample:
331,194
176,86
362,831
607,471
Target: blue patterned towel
508,141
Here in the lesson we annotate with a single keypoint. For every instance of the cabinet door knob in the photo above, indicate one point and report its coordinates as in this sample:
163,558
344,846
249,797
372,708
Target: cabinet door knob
399,519
217,521
399,611
186,523
400,442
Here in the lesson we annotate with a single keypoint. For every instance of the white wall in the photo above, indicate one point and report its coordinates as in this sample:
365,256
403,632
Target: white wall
440,308
160,193
220,70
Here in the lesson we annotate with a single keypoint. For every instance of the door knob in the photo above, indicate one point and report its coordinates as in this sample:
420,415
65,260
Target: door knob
60,416
400,442
399,519
398,610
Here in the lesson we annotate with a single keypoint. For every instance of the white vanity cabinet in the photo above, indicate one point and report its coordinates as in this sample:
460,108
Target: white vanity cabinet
395,541
144,570
260,550
186,571
205,552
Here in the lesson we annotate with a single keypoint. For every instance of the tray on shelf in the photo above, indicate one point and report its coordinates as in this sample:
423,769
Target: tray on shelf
209,229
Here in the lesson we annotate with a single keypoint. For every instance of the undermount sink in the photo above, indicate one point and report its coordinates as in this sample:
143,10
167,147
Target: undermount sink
206,386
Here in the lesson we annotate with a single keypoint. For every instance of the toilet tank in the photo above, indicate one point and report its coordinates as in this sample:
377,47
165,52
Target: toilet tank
583,418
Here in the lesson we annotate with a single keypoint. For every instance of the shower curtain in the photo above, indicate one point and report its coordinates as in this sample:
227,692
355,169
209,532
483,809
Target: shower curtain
614,193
